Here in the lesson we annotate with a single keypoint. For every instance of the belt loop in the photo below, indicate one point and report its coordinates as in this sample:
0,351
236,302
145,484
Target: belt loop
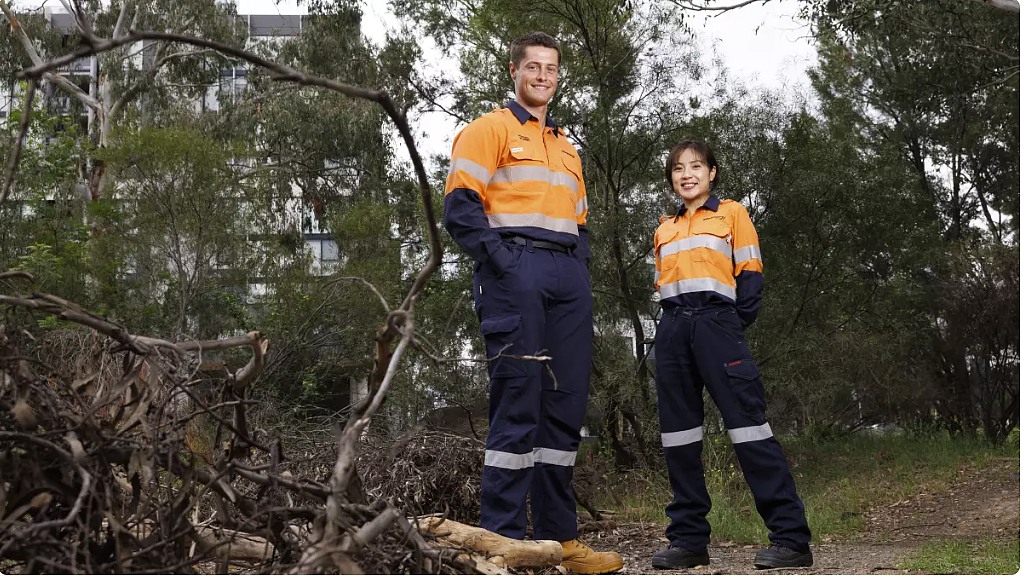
529,246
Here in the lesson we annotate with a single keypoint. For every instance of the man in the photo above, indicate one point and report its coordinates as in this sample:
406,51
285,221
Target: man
515,201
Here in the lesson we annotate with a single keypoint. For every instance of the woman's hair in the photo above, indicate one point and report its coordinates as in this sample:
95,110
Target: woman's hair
698,147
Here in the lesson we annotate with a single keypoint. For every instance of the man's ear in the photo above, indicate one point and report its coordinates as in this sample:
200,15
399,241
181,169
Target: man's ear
513,71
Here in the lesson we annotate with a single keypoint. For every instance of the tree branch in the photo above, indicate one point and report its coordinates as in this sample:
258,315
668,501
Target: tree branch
691,5
118,28
15,155
1008,5
57,79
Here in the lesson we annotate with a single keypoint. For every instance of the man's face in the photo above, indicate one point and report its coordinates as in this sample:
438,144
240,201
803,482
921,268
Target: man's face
535,79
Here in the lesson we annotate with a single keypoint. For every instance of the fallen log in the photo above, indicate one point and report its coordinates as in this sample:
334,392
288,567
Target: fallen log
234,545
500,550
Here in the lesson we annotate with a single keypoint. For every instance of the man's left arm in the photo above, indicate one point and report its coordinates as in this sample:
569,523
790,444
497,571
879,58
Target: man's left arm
747,267
582,252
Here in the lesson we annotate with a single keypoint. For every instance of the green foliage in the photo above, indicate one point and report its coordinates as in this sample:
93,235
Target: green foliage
168,244
985,556
947,104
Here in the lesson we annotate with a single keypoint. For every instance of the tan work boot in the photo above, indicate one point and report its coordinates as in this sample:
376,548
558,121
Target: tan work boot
581,559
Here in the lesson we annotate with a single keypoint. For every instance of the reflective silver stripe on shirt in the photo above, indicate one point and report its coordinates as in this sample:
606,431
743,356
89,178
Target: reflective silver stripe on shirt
536,220
656,280
750,434
508,460
476,171
747,253
697,241
540,173
690,436
581,206
551,456
697,285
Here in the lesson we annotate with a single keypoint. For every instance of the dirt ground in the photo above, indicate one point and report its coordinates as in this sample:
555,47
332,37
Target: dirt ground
981,503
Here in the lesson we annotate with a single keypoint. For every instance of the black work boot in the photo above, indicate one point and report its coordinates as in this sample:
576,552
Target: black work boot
676,557
777,556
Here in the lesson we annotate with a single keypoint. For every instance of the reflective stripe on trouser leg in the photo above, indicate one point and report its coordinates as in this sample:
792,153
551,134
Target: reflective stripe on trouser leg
733,381
679,398
508,469
568,340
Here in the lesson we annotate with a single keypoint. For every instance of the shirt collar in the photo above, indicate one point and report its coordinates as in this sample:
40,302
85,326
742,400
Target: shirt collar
524,116
711,203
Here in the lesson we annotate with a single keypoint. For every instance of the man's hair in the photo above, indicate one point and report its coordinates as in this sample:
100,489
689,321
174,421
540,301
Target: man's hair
698,147
518,46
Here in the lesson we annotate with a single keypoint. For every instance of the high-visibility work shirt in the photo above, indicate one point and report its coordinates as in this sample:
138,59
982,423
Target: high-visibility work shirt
710,256
507,178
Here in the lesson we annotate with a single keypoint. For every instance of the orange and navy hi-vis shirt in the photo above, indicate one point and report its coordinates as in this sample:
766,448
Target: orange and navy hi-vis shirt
710,257
509,178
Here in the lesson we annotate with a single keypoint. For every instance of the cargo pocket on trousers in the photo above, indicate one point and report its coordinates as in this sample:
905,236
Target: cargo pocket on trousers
499,333
743,377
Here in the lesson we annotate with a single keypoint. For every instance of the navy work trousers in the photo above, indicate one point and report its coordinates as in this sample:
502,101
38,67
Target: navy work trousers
540,304
706,347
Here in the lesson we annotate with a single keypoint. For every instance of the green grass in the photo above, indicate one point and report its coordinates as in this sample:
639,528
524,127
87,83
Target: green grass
954,557
839,480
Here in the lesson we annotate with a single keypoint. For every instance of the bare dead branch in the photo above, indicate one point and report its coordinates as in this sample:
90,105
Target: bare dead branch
16,274
368,284
694,6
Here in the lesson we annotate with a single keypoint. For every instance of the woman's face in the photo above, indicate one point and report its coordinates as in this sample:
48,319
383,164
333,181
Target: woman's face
691,177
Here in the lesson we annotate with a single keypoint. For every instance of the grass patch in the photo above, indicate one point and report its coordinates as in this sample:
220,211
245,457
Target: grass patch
839,480
955,557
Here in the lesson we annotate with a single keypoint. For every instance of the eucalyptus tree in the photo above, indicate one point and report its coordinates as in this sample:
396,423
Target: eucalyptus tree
166,70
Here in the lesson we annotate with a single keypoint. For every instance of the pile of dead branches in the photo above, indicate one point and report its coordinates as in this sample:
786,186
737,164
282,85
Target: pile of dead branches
425,472
118,454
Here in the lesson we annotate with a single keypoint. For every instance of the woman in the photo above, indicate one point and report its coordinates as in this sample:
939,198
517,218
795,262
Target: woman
709,275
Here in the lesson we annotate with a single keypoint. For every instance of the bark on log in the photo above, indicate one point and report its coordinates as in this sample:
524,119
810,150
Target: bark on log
497,549
485,566
239,545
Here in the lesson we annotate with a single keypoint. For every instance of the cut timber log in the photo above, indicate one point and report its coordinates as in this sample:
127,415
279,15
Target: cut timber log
233,545
499,550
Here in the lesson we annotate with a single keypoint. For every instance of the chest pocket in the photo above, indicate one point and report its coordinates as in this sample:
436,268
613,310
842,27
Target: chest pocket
571,172
712,240
523,166
666,242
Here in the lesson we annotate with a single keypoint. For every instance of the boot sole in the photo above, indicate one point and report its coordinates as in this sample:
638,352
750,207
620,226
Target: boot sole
762,565
663,564
579,568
